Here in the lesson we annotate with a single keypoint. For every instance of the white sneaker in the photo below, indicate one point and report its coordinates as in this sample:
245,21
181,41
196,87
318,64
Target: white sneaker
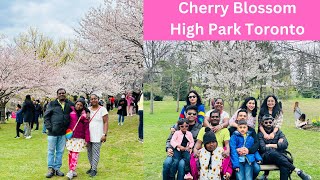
122,124
75,174
69,175
28,137
118,124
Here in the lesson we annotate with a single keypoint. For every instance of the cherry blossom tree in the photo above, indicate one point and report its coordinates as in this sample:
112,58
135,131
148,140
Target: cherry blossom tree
113,34
19,72
232,68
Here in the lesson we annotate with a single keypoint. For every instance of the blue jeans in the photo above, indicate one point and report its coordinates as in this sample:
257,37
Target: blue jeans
256,169
140,128
44,129
55,151
245,172
119,118
166,169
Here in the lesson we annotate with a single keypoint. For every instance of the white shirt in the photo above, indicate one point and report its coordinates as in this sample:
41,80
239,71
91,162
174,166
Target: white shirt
223,115
96,124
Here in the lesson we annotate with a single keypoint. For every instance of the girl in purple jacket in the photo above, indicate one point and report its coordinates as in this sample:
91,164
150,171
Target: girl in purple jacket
80,137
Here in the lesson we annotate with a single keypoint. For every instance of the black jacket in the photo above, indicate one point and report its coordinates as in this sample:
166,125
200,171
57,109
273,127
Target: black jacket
28,111
281,146
56,119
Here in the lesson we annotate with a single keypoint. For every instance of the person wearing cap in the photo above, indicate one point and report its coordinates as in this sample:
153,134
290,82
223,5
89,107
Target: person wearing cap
122,109
222,137
80,137
194,128
272,150
210,157
243,164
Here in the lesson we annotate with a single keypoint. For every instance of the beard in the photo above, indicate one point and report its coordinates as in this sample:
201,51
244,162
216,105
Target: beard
268,129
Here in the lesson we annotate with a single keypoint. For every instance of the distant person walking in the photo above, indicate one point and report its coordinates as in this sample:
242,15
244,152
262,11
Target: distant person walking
28,111
130,103
19,120
38,110
140,112
122,110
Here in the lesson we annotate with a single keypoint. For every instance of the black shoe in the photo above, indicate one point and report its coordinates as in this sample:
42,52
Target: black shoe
303,175
93,173
50,173
89,171
59,173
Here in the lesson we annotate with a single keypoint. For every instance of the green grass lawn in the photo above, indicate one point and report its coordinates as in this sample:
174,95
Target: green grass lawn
121,156
304,145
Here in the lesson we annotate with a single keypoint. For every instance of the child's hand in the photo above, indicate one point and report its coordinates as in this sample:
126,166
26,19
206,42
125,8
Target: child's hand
258,162
237,169
227,176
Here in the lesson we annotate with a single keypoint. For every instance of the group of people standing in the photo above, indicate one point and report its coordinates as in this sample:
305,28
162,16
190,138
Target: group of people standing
214,146
89,127
28,114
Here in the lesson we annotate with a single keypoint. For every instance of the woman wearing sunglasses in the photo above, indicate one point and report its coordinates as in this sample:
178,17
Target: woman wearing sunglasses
193,98
249,104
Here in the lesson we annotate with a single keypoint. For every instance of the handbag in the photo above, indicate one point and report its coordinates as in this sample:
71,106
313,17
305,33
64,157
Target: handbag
69,132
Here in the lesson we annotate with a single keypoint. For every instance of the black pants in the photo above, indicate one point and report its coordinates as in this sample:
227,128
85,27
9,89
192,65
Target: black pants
277,158
140,128
18,129
35,120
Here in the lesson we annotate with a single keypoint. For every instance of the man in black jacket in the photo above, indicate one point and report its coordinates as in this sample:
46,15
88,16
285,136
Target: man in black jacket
272,151
57,120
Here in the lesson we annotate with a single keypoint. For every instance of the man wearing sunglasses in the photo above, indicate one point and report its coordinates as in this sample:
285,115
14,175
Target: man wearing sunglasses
194,128
272,150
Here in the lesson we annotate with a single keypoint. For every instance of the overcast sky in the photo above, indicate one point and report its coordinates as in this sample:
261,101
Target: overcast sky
54,18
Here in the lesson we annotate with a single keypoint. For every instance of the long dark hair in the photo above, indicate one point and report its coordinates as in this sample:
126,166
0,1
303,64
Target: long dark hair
198,98
264,107
244,105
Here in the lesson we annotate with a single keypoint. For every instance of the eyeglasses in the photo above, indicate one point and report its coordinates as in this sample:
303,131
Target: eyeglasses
267,122
184,126
214,116
192,114
192,97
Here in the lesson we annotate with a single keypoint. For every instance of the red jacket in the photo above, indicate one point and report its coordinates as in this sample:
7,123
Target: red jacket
82,129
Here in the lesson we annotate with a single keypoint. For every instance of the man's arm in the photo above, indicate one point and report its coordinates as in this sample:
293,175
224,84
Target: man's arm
47,116
255,146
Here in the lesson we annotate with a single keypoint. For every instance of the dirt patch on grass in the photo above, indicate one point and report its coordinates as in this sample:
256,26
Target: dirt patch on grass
312,128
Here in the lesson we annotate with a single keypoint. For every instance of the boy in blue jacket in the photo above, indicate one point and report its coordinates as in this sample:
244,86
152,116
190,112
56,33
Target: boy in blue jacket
19,120
243,164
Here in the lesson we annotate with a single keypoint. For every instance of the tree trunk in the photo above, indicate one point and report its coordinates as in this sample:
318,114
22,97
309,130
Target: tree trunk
178,98
260,97
151,99
2,112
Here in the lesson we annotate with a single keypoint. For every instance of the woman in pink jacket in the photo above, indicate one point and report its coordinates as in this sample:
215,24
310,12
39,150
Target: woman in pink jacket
80,137
182,142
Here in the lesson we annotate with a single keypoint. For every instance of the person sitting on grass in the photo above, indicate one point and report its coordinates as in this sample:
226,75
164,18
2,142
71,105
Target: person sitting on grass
210,157
272,150
182,142
301,122
194,127
243,164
